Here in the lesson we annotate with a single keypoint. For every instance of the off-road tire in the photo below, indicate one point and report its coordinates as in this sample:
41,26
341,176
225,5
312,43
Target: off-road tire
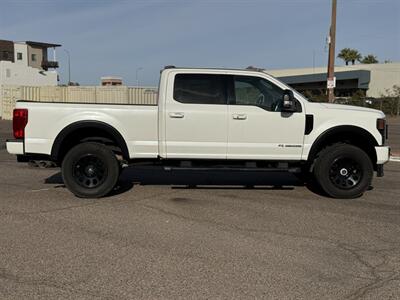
90,170
343,171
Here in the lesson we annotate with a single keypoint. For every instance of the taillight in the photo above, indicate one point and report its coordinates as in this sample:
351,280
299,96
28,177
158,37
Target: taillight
20,119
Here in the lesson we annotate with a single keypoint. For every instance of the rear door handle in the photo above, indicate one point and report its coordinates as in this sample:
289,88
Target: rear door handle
176,115
239,116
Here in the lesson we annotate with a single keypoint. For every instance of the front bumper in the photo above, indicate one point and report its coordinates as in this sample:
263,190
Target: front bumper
15,147
382,154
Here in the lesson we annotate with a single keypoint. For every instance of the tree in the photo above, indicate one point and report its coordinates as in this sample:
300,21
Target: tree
354,56
369,59
344,54
348,55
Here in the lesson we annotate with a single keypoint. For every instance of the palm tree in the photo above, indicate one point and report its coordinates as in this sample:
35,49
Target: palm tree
348,55
344,54
354,56
369,59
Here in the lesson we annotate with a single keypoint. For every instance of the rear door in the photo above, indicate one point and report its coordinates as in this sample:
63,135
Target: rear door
257,127
196,111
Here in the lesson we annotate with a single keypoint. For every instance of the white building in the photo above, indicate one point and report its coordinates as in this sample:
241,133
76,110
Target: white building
27,63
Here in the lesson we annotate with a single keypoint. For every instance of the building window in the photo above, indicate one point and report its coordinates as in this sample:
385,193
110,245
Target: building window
33,57
6,55
8,73
19,55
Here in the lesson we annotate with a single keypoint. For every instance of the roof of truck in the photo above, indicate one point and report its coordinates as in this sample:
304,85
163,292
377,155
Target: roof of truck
250,68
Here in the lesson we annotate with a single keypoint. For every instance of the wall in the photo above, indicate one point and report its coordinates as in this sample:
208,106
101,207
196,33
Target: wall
39,57
21,48
9,94
383,77
23,75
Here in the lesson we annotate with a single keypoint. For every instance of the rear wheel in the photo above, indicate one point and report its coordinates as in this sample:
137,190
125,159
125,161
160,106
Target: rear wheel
343,171
90,170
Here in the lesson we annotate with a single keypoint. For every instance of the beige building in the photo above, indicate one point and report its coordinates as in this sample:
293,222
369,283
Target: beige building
38,55
374,79
111,80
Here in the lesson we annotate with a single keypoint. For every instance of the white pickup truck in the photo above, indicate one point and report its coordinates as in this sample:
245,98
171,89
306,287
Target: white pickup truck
206,119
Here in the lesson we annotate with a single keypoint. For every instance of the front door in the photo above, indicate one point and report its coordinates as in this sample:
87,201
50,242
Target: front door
196,117
257,129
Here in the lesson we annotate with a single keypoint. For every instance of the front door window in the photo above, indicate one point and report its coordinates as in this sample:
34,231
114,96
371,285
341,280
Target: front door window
257,91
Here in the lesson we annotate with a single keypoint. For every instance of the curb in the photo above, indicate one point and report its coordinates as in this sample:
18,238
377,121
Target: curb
395,158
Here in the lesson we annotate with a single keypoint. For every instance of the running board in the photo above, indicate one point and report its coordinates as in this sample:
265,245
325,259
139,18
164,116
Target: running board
238,169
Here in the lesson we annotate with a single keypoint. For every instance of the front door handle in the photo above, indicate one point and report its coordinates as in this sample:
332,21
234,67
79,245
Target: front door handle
176,115
239,116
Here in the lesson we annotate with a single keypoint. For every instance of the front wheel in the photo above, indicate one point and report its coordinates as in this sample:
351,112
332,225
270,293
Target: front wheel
343,171
90,170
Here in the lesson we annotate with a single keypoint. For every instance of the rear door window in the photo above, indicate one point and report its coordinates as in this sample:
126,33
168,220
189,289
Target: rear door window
200,88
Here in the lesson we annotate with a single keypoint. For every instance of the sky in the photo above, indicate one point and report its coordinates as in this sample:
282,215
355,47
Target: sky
125,37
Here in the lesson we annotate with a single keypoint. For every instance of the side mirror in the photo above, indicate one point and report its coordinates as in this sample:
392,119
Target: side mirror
288,101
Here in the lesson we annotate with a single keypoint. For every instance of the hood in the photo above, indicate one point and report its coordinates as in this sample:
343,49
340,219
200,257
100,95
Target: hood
345,107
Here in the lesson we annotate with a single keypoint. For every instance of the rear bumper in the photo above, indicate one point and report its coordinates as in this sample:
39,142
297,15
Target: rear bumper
382,154
15,147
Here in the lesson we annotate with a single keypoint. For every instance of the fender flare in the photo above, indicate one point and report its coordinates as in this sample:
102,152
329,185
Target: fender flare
342,129
68,130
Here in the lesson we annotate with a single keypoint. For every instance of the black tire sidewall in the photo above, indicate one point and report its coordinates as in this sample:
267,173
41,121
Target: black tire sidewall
323,165
103,153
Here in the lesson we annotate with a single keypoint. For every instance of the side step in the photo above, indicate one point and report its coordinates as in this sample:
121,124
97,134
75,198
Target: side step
230,169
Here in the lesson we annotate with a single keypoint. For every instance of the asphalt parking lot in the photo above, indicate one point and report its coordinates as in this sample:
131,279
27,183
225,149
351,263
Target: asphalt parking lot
156,238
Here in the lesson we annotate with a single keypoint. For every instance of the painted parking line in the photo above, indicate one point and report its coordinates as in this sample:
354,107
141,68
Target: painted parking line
395,158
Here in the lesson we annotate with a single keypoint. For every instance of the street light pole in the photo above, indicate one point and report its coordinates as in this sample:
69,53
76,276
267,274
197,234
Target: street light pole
331,60
137,75
69,66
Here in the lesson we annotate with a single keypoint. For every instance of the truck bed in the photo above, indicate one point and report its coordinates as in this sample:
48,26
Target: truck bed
136,123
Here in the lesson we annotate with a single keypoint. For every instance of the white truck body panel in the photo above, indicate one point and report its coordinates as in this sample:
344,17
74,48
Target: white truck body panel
327,116
264,135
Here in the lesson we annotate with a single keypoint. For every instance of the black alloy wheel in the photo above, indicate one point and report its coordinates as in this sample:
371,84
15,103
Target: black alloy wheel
90,171
345,173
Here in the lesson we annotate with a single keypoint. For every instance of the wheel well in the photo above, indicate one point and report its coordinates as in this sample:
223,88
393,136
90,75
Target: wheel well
352,135
86,131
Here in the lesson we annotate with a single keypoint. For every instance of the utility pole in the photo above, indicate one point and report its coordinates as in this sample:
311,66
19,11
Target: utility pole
331,82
